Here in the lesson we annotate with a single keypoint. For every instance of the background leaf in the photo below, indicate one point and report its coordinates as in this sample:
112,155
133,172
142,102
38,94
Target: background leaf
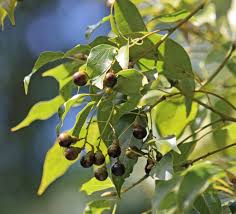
97,207
7,7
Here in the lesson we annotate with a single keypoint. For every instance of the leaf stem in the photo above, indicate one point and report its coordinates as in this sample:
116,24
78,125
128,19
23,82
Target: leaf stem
220,67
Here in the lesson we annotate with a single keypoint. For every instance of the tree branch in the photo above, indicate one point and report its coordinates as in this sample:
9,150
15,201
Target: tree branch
229,54
207,155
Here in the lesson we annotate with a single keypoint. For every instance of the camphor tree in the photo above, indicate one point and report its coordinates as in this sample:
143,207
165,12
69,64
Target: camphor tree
162,80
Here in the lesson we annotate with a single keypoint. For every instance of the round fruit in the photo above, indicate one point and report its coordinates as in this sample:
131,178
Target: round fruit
72,153
149,165
65,140
159,156
139,132
114,149
80,78
118,169
99,158
101,174
110,80
87,160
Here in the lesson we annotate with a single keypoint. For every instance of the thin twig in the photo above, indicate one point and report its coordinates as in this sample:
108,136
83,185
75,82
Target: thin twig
208,154
220,67
199,130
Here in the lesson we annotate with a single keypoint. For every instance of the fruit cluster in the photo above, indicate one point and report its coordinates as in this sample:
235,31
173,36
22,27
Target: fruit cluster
97,158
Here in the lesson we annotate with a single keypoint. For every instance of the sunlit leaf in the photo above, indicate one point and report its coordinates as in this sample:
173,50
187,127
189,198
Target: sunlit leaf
123,56
93,185
7,7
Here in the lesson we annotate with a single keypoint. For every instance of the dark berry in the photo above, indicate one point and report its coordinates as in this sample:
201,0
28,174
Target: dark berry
149,165
80,78
114,149
101,174
99,158
87,160
65,140
133,152
118,169
110,80
159,156
139,132
72,153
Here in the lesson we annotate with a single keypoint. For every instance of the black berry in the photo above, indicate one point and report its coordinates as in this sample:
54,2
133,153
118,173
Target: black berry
99,158
149,165
65,140
87,160
139,132
118,169
159,156
80,78
114,149
101,174
72,153
110,80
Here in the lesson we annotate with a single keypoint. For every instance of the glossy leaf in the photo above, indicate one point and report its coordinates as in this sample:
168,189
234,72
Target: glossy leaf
93,185
97,207
43,59
100,59
172,17
41,111
123,56
91,28
208,203
130,21
195,182
129,81
168,114
151,97
163,169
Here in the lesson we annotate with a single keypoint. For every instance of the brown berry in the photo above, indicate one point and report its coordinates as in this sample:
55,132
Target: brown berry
139,132
65,140
149,165
99,158
110,80
72,153
114,149
118,169
87,160
80,78
101,174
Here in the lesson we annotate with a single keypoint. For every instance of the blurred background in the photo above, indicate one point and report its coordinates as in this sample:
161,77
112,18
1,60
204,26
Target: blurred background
58,25
41,25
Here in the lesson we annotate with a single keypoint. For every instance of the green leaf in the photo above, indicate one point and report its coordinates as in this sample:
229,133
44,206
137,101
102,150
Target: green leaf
65,108
7,7
41,111
166,144
130,21
123,56
151,97
81,119
194,183
208,203
163,170
91,28
43,59
161,192
172,17
168,114
93,185
97,207
100,59
129,81
125,132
